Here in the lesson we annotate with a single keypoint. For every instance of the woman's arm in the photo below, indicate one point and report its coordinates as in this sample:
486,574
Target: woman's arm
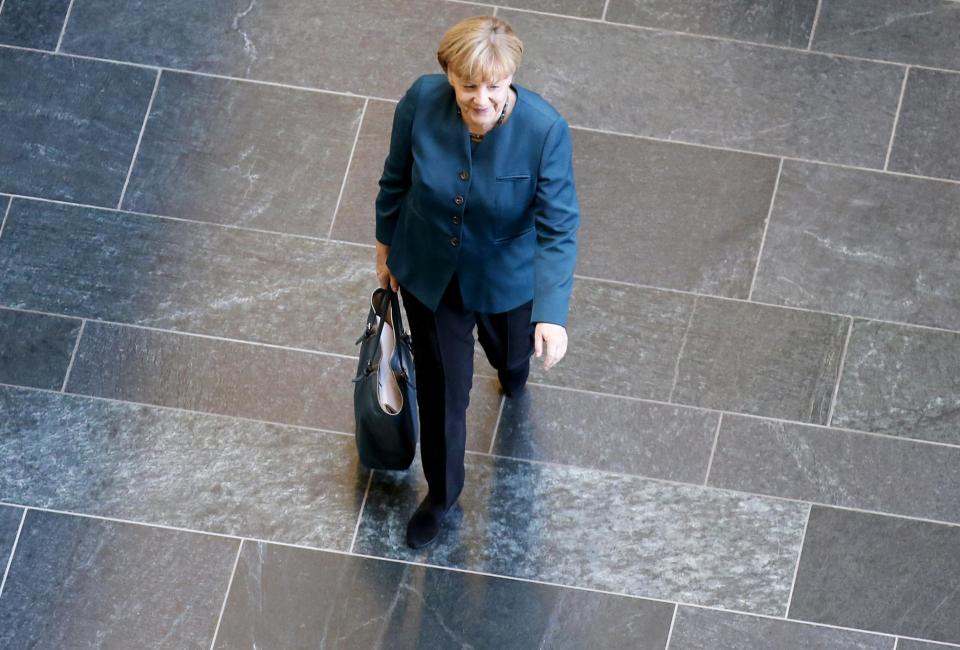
395,180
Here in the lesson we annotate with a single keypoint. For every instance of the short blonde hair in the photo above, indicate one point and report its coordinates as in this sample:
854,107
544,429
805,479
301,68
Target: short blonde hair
482,48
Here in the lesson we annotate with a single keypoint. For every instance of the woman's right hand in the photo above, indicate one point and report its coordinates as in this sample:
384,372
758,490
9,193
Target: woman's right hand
384,276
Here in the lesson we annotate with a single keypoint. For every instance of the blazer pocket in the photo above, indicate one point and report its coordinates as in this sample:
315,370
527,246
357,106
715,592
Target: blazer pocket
513,177
510,238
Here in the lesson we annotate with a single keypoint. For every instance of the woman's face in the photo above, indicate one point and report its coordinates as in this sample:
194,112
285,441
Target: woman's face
481,102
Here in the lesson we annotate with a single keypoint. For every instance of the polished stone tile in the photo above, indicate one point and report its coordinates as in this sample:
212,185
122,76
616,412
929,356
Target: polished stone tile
591,529
777,22
704,629
711,92
855,470
86,583
607,433
927,141
762,360
880,573
9,525
188,470
244,154
921,32
185,276
32,23
902,381
905,644
668,215
231,378
70,125
581,8
35,350
304,42
862,243
295,598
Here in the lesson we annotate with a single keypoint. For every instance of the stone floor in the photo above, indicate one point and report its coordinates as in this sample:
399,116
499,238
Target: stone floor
753,443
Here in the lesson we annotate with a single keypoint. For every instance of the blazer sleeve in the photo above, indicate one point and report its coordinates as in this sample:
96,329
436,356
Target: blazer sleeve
395,180
557,218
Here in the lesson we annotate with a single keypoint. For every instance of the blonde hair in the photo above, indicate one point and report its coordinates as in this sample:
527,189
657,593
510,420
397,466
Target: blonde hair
482,48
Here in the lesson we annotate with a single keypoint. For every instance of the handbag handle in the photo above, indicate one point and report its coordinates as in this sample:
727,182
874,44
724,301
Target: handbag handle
382,300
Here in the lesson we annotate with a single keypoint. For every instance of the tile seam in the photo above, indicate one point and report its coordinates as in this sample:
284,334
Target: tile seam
136,149
673,620
63,29
766,227
813,26
363,503
6,213
896,120
495,10
2,2
496,425
73,356
683,345
13,550
606,6
843,359
223,606
796,568
346,172
713,451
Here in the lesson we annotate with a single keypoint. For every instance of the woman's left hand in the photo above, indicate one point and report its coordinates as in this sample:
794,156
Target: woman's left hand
551,339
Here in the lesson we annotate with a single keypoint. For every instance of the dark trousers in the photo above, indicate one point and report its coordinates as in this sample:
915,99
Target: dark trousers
443,356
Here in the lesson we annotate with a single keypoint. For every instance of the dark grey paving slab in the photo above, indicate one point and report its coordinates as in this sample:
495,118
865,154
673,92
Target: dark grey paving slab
855,470
231,378
762,360
607,433
862,243
921,32
927,140
591,529
295,598
671,216
874,572
32,23
9,525
70,125
733,95
777,22
704,629
244,154
902,381
86,583
188,470
35,349
308,43
183,276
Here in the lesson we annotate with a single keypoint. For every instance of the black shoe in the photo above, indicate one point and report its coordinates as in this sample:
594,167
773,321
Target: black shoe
425,523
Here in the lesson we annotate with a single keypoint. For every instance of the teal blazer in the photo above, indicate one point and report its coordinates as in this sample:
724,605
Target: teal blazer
503,217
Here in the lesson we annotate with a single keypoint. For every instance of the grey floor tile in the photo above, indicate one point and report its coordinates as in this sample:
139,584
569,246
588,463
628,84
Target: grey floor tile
188,470
880,573
590,529
855,470
581,8
87,583
35,349
295,598
731,95
762,360
184,276
607,433
306,43
921,32
777,22
927,141
704,629
671,216
70,125
32,23
9,525
902,381
906,644
862,243
244,154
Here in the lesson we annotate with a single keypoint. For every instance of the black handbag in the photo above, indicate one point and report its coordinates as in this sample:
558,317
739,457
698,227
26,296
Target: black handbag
385,388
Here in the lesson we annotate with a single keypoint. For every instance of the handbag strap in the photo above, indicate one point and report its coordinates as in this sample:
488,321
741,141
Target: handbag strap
380,302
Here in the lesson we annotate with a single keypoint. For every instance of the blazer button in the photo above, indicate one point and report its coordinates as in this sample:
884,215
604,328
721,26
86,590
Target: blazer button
464,175
458,200
454,242
456,219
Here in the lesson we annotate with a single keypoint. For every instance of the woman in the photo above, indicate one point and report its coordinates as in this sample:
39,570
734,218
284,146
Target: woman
476,226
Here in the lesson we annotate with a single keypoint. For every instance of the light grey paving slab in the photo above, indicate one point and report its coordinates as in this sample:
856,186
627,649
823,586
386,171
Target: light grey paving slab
32,23
86,583
188,470
921,32
732,95
927,140
762,360
842,468
232,378
184,276
244,154
704,629
607,433
35,349
581,8
591,529
295,598
874,572
777,22
304,43
70,125
902,381
863,243
9,525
